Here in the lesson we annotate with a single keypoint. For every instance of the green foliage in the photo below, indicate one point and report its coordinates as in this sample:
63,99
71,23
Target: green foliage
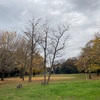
67,67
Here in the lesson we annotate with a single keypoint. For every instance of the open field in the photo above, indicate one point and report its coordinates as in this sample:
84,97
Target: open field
61,87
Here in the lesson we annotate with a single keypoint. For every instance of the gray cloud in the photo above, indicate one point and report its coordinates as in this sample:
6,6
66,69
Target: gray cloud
86,5
83,15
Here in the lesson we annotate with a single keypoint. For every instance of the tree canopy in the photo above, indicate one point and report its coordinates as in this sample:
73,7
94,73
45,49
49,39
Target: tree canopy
89,60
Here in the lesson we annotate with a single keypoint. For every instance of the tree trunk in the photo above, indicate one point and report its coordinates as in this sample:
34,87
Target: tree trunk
45,82
90,72
98,72
23,78
45,72
89,75
45,59
30,70
44,77
23,73
30,75
2,76
49,76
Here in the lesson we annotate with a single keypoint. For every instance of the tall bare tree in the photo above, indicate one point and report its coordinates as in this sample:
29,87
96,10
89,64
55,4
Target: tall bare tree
32,35
44,44
58,42
53,41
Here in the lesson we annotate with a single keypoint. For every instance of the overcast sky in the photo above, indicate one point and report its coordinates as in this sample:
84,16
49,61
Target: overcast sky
83,15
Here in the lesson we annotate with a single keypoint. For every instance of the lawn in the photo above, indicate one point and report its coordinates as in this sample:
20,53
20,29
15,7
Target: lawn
61,87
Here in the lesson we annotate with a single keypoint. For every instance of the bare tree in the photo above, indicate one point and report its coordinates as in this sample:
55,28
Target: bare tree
32,35
58,41
44,44
53,41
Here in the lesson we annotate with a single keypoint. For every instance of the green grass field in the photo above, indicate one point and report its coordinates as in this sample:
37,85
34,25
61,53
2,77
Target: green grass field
61,87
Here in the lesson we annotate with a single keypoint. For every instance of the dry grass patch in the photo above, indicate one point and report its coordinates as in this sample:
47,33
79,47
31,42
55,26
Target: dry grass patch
54,77
37,78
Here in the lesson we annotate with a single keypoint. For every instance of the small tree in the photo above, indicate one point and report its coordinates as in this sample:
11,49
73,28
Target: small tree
21,56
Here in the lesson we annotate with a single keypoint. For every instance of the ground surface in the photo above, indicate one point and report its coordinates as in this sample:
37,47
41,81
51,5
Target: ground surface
61,87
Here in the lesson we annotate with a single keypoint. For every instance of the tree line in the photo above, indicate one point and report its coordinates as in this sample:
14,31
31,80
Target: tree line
14,56
22,52
38,47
